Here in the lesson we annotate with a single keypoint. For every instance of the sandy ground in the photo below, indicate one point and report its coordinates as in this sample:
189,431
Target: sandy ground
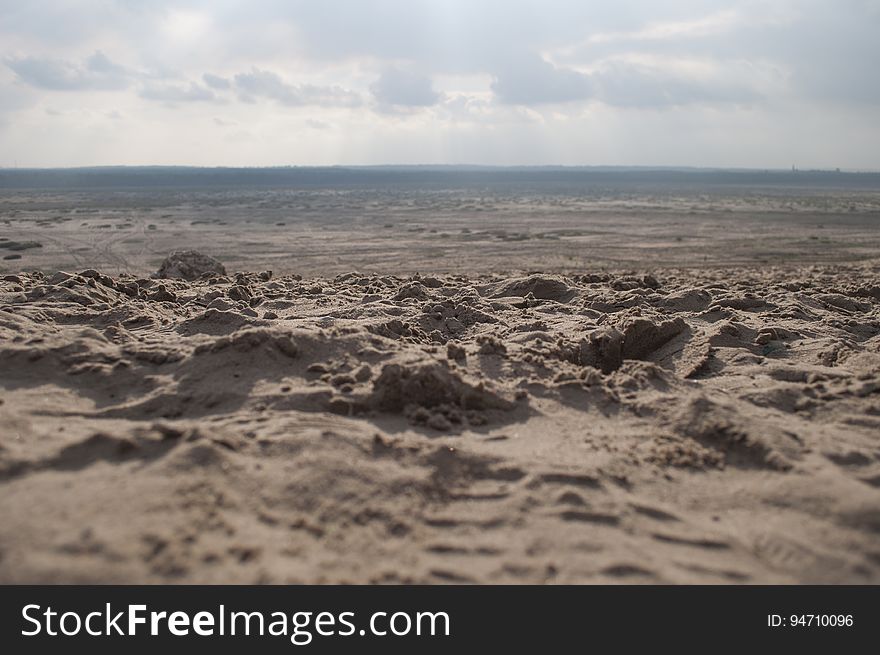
611,386
411,230
698,425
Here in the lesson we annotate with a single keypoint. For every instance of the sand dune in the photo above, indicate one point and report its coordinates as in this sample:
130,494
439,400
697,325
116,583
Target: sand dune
671,426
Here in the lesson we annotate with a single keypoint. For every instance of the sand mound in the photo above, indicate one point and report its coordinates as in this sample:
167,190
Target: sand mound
542,287
215,321
189,265
602,427
688,300
430,394
720,427
607,347
429,385
641,336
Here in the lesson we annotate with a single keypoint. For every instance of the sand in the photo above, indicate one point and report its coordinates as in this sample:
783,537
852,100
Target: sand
407,230
649,425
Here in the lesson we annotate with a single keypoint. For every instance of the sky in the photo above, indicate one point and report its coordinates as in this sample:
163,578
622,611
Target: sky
743,83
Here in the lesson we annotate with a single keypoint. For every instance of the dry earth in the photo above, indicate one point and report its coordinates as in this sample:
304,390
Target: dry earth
406,231
709,425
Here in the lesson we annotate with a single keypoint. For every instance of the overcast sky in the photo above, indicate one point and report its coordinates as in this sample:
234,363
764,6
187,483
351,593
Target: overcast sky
761,84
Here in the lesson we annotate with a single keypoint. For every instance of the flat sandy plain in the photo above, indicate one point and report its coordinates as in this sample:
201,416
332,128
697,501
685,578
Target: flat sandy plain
441,386
324,232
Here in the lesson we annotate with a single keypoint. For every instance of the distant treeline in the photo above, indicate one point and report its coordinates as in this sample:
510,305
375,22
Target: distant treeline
137,177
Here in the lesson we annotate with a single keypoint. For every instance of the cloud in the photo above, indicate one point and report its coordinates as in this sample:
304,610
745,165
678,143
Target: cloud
626,81
100,64
820,50
534,81
401,88
97,72
455,72
176,92
266,84
216,82
629,84
700,27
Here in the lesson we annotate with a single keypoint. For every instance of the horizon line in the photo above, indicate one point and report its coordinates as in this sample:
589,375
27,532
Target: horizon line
574,167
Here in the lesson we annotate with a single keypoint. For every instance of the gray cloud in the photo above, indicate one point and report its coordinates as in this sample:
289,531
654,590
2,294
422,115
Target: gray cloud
529,80
176,92
827,49
619,84
216,82
100,64
401,88
627,85
461,70
260,83
96,73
